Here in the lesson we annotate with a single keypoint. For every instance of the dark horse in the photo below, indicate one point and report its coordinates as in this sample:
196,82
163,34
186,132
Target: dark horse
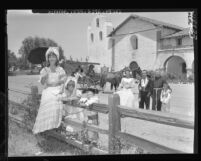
114,78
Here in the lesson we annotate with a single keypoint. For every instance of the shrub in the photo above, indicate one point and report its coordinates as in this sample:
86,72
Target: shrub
32,102
191,78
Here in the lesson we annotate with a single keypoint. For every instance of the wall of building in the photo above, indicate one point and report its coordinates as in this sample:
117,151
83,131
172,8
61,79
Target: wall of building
146,52
147,55
167,31
172,42
168,43
98,49
186,54
174,66
187,41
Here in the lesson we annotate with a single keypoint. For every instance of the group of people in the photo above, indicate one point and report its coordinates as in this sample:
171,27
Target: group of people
58,88
135,92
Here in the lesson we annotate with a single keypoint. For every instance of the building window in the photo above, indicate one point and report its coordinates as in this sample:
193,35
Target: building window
179,41
134,42
92,37
100,35
97,22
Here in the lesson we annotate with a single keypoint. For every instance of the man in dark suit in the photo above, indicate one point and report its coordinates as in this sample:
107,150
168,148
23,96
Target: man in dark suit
145,88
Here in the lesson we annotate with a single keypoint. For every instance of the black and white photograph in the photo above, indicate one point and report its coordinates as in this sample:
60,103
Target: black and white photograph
101,83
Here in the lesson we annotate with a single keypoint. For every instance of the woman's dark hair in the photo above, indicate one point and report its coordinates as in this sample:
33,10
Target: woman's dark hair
79,69
48,63
133,65
73,74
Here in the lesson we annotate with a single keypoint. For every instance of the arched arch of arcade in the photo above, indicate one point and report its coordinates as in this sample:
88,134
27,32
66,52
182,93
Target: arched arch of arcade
180,63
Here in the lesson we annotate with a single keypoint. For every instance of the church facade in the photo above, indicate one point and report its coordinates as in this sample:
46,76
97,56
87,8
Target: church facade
153,44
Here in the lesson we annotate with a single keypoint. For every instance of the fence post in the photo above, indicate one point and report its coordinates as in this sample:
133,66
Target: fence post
114,122
34,99
34,93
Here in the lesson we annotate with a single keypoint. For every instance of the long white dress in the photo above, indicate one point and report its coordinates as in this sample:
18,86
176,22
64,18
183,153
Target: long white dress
50,111
126,93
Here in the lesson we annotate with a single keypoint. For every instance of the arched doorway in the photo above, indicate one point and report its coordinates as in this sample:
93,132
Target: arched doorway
176,65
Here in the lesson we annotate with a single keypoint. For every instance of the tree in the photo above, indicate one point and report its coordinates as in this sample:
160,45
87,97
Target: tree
71,59
87,59
30,43
12,59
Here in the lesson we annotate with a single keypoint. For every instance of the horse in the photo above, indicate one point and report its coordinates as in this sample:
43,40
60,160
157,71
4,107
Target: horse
114,78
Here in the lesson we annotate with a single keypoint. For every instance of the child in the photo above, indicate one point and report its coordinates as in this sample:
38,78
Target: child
165,97
71,93
87,99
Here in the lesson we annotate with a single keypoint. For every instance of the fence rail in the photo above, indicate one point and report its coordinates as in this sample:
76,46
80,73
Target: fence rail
115,113
158,117
88,126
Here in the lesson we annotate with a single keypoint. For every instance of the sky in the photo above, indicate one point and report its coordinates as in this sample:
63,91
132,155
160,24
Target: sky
69,30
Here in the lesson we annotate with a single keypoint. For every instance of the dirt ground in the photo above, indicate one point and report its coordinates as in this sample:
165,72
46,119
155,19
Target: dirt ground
22,142
178,138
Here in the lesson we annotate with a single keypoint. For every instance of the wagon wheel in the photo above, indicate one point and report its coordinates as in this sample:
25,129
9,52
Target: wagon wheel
81,82
89,82
97,82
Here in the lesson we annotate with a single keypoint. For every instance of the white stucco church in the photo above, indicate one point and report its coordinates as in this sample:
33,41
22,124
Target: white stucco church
153,44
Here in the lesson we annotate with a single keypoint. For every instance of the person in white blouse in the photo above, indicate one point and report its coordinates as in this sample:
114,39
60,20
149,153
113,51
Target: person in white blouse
52,77
126,91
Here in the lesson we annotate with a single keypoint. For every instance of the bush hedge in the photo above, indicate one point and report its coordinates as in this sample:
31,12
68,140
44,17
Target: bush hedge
172,78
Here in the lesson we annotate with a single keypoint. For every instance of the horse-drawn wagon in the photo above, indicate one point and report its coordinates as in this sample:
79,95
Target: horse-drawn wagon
88,78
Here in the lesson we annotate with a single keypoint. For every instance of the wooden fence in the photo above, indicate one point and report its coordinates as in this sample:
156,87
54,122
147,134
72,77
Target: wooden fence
115,113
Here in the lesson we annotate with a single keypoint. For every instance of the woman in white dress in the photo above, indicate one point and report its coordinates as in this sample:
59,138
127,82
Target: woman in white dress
52,77
127,88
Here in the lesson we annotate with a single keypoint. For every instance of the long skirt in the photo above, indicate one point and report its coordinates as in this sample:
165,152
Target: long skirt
127,98
50,111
